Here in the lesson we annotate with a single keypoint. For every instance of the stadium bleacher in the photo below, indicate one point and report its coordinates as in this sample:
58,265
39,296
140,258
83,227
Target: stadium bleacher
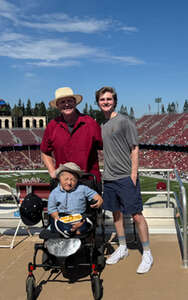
163,159
165,129
25,136
6,138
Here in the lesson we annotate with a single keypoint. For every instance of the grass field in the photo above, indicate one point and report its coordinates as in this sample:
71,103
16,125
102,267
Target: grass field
147,183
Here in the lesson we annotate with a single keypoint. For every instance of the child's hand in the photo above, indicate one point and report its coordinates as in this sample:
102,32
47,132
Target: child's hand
77,225
96,202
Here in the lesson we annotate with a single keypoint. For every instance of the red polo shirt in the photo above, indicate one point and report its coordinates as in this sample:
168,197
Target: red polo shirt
79,147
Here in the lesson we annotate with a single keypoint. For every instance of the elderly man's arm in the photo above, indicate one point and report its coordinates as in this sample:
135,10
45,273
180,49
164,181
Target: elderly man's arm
49,163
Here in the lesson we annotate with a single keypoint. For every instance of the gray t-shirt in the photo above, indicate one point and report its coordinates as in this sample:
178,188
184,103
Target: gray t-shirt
119,136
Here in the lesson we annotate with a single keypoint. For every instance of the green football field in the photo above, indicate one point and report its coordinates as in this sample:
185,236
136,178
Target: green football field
147,183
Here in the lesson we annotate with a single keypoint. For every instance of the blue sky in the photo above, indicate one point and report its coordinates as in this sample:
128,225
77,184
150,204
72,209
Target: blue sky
138,47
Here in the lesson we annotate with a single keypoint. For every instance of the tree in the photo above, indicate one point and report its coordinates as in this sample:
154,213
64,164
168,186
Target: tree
162,109
91,112
131,115
171,108
85,110
123,110
28,110
17,115
185,107
39,109
21,106
158,100
52,113
98,116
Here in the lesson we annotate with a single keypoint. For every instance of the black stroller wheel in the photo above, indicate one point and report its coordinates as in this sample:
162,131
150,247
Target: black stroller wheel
30,288
96,287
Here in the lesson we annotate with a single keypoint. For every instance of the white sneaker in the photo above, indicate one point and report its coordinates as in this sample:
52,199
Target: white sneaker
146,263
120,253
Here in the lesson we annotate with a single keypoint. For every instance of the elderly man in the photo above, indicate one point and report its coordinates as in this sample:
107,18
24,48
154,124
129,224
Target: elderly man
72,136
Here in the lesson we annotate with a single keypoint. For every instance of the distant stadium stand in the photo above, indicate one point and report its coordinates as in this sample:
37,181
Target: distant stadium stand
26,136
163,144
163,159
165,129
164,141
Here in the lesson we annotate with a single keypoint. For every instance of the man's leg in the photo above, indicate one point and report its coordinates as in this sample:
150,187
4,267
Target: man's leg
147,259
118,222
122,250
142,227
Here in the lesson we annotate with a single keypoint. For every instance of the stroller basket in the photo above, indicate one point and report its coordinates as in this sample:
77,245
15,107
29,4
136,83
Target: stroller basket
62,247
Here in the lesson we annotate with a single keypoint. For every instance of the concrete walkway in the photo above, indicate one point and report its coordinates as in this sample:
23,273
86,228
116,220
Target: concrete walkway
166,280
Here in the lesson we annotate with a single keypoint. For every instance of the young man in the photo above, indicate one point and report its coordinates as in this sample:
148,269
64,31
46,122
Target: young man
121,183
67,202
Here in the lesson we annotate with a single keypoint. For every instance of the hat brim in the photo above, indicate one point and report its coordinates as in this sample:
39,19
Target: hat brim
78,98
62,169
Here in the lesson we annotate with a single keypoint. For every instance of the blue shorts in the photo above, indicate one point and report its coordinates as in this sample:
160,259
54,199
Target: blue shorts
122,195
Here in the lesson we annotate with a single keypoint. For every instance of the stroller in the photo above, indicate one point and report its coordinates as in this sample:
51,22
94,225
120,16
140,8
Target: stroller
75,257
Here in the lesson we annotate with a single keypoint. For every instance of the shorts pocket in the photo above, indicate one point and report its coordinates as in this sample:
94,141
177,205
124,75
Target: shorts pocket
132,183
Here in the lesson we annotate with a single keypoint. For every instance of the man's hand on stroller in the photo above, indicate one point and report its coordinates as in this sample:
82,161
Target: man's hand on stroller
96,202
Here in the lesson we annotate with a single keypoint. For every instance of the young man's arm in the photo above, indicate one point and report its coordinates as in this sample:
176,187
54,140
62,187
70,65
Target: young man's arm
134,160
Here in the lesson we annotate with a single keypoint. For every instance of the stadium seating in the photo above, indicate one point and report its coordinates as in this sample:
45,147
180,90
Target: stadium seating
25,136
6,138
166,129
38,132
163,159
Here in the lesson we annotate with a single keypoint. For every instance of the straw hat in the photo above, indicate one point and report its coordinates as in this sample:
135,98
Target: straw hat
64,93
69,167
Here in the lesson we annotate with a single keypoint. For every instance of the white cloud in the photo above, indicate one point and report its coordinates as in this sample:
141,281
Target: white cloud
64,23
129,29
68,63
128,60
54,52
10,36
45,50
8,10
58,22
29,75
40,51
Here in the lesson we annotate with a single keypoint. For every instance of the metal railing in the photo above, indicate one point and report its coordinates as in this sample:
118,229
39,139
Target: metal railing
181,202
164,171
182,227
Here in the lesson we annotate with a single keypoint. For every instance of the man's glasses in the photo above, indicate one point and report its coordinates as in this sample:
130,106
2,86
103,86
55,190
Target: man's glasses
65,101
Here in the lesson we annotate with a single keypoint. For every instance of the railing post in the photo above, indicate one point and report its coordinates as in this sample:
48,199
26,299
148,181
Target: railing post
185,248
184,212
168,188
